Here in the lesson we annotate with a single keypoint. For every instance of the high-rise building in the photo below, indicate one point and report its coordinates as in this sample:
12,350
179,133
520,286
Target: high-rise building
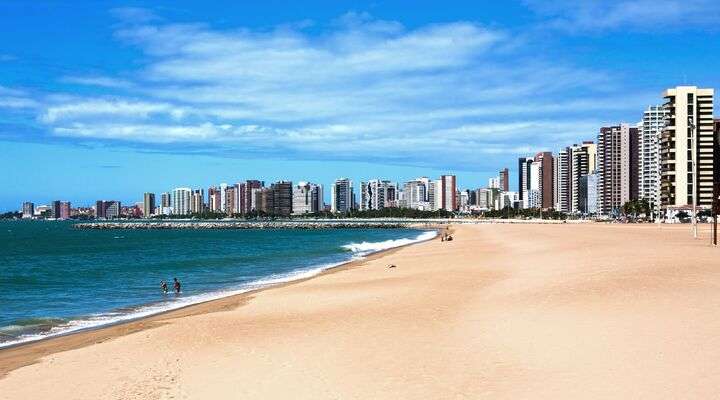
415,195
197,204
342,198
280,199
435,194
100,209
230,200
533,194
448,192
223,197
561,181
60,209
112,209
55,207
148,204
523,176
717,160
165,200
107,209
65,209
28,209
307,198
240,196
376,194
262,199
546,177
686,147
181,201
588,194
251,189
649,158
582,162
504,180
617,167
215,198
494,182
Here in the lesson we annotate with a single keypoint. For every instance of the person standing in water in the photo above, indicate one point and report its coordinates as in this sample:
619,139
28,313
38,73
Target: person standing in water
163,287
176,285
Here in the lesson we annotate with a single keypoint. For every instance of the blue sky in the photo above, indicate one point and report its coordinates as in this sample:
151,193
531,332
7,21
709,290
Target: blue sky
112,99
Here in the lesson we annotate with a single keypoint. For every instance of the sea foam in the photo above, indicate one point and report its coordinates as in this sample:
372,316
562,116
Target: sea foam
365,248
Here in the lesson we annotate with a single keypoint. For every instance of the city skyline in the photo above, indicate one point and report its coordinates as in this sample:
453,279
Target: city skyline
363,91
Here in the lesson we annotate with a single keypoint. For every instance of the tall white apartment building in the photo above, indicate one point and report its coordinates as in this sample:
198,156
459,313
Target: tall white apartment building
376,194
342,198
307,198
561,181
223,197
181,200
494,183
435,194
650,128
686,147
415,194
532,197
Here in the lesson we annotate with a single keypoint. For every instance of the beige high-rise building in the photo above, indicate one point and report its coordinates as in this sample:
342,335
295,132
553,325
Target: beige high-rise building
582,160
686,147
148,204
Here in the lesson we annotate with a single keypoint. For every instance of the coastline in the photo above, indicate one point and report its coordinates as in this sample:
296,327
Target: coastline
21,354
570,311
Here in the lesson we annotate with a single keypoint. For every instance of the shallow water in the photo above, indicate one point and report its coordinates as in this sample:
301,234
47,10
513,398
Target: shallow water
55,279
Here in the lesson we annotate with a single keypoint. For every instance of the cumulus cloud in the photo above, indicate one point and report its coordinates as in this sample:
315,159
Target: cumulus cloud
359,89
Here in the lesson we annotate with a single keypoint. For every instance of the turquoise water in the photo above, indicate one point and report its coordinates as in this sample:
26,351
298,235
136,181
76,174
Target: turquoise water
55,279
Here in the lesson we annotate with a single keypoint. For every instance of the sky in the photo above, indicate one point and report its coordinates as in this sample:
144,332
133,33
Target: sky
107,100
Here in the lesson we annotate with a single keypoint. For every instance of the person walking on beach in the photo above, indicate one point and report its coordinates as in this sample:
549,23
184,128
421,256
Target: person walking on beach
176,285
163,287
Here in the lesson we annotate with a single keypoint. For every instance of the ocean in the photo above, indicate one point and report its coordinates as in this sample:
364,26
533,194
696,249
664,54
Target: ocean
55,279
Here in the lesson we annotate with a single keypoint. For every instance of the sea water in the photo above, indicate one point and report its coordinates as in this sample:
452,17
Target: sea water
55,279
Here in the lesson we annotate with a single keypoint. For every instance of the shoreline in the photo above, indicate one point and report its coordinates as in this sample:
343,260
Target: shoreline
21,354
507,311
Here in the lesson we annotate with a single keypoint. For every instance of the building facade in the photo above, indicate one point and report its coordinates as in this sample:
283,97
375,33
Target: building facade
546,178
181,199
582,162
377,194
617,167
28,209
148,204
307,198
561,181
448,201
504,180
342,198
686,147
649,156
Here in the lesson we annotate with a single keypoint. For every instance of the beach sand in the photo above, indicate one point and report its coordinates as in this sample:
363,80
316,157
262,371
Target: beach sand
587,311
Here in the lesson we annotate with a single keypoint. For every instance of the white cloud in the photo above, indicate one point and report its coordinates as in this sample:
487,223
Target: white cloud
597,15
101,81
16,99
101,108
359,89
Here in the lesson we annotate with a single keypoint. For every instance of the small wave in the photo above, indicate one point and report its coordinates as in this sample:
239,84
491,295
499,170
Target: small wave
365,248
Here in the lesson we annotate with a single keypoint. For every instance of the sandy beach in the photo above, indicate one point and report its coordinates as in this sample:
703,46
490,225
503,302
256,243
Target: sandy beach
504,311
